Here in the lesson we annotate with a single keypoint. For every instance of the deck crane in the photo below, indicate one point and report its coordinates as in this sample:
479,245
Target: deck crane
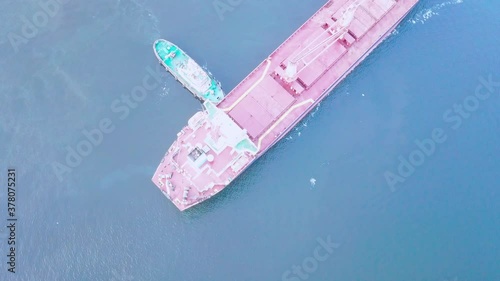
336,32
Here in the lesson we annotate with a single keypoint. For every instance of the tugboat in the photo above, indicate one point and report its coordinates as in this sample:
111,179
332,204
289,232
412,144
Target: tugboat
185,70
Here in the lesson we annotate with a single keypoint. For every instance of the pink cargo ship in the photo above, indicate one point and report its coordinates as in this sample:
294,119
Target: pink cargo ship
221,141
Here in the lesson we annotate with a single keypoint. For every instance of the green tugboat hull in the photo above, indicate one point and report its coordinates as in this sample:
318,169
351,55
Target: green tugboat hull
184,69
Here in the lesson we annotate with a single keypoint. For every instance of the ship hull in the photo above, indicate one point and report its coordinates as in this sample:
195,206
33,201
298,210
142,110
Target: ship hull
332,87
265,140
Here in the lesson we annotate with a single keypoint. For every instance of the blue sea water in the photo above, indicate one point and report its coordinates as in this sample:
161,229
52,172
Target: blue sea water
326,181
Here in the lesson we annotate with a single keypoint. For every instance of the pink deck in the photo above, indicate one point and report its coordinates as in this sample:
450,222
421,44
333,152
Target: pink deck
263,107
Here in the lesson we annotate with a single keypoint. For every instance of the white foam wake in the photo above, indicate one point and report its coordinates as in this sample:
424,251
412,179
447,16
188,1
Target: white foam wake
426,14
312,181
